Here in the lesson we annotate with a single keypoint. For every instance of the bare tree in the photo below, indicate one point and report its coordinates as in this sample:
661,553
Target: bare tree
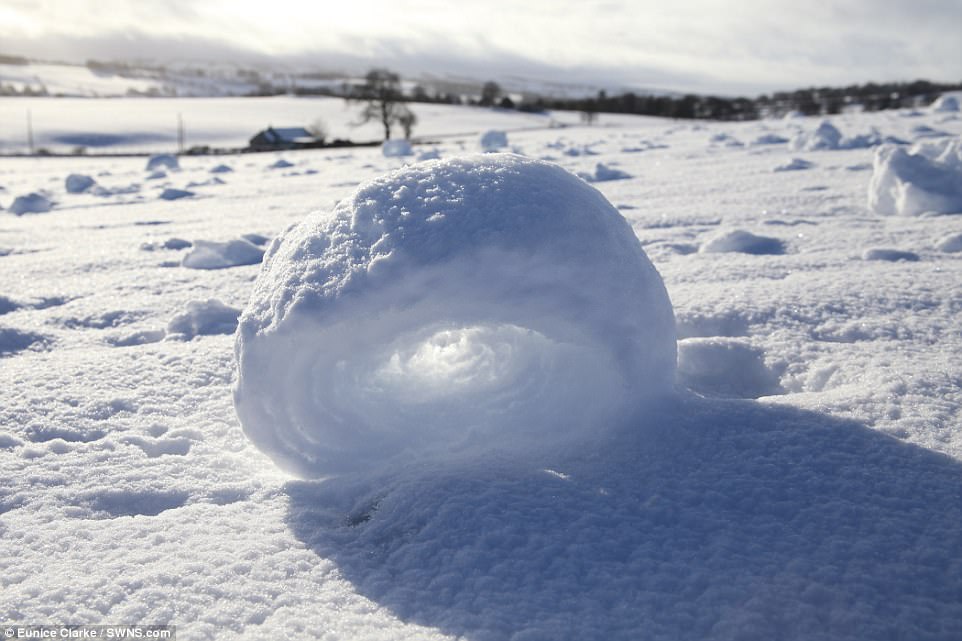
381,93
318,129
490,92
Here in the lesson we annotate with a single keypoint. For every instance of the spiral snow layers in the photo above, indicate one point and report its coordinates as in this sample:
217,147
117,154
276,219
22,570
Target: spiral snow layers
449,309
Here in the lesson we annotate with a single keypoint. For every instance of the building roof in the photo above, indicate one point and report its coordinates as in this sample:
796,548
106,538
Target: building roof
278,135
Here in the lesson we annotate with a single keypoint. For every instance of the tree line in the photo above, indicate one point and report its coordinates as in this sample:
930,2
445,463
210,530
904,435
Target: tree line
383,100
810,102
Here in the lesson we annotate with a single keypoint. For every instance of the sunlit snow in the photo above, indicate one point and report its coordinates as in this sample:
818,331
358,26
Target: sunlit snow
457,358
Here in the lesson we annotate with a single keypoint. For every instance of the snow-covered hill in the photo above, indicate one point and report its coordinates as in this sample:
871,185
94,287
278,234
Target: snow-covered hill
804,481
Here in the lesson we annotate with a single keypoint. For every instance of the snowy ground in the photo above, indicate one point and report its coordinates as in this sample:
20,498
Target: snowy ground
827,508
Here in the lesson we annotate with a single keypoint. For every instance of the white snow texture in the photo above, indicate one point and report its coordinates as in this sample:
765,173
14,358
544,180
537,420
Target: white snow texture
484,303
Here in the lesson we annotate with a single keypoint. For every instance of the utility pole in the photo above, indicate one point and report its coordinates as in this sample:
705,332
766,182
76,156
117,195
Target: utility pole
180,133
29,132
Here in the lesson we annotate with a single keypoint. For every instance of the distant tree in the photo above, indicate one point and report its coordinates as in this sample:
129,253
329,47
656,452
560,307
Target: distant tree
490,93
589,111
318,129
384,102
407,120
506,103
419,94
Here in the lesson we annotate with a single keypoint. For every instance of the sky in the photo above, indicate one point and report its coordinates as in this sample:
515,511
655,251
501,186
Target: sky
703,46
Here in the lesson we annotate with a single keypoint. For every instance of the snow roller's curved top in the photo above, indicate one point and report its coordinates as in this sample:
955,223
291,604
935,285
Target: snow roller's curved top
447,308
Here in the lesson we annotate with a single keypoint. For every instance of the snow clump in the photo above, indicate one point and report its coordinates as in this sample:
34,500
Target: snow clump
397,149
950,244
725,367
946,104
78,183
603,173
890,255
741,241
796,164
32,203
430,154
175,194
493,140
448,310
160,161
925,179
825,136
203,318
209,254
770,139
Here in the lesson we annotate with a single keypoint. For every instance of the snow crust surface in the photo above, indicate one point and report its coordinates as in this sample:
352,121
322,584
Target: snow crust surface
817,498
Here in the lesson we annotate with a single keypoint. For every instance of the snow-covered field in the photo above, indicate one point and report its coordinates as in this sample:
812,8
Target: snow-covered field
125,125
810,486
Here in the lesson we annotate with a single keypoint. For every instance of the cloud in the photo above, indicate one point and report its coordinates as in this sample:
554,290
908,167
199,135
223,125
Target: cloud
697,45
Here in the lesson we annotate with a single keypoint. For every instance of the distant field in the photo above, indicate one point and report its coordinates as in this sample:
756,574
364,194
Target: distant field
150,124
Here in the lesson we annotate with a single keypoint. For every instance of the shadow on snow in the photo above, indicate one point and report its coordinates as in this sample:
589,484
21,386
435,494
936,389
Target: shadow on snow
718,519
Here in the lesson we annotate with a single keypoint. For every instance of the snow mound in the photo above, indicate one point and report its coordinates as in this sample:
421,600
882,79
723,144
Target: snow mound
926,179
743,242
208,254
156,175
725,367
770,139
396,149
280,164
493,140
890,255
924,131
32,203
257,239
159,161
176,243
583,150
221,169
78,183
175,194
211,182
203,318
450,310
796,164
950,244
825,136
946,104
725,139
143,337
604,173
430,154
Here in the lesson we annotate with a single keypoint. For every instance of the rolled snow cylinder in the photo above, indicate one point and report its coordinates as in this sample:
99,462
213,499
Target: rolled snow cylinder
447,309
